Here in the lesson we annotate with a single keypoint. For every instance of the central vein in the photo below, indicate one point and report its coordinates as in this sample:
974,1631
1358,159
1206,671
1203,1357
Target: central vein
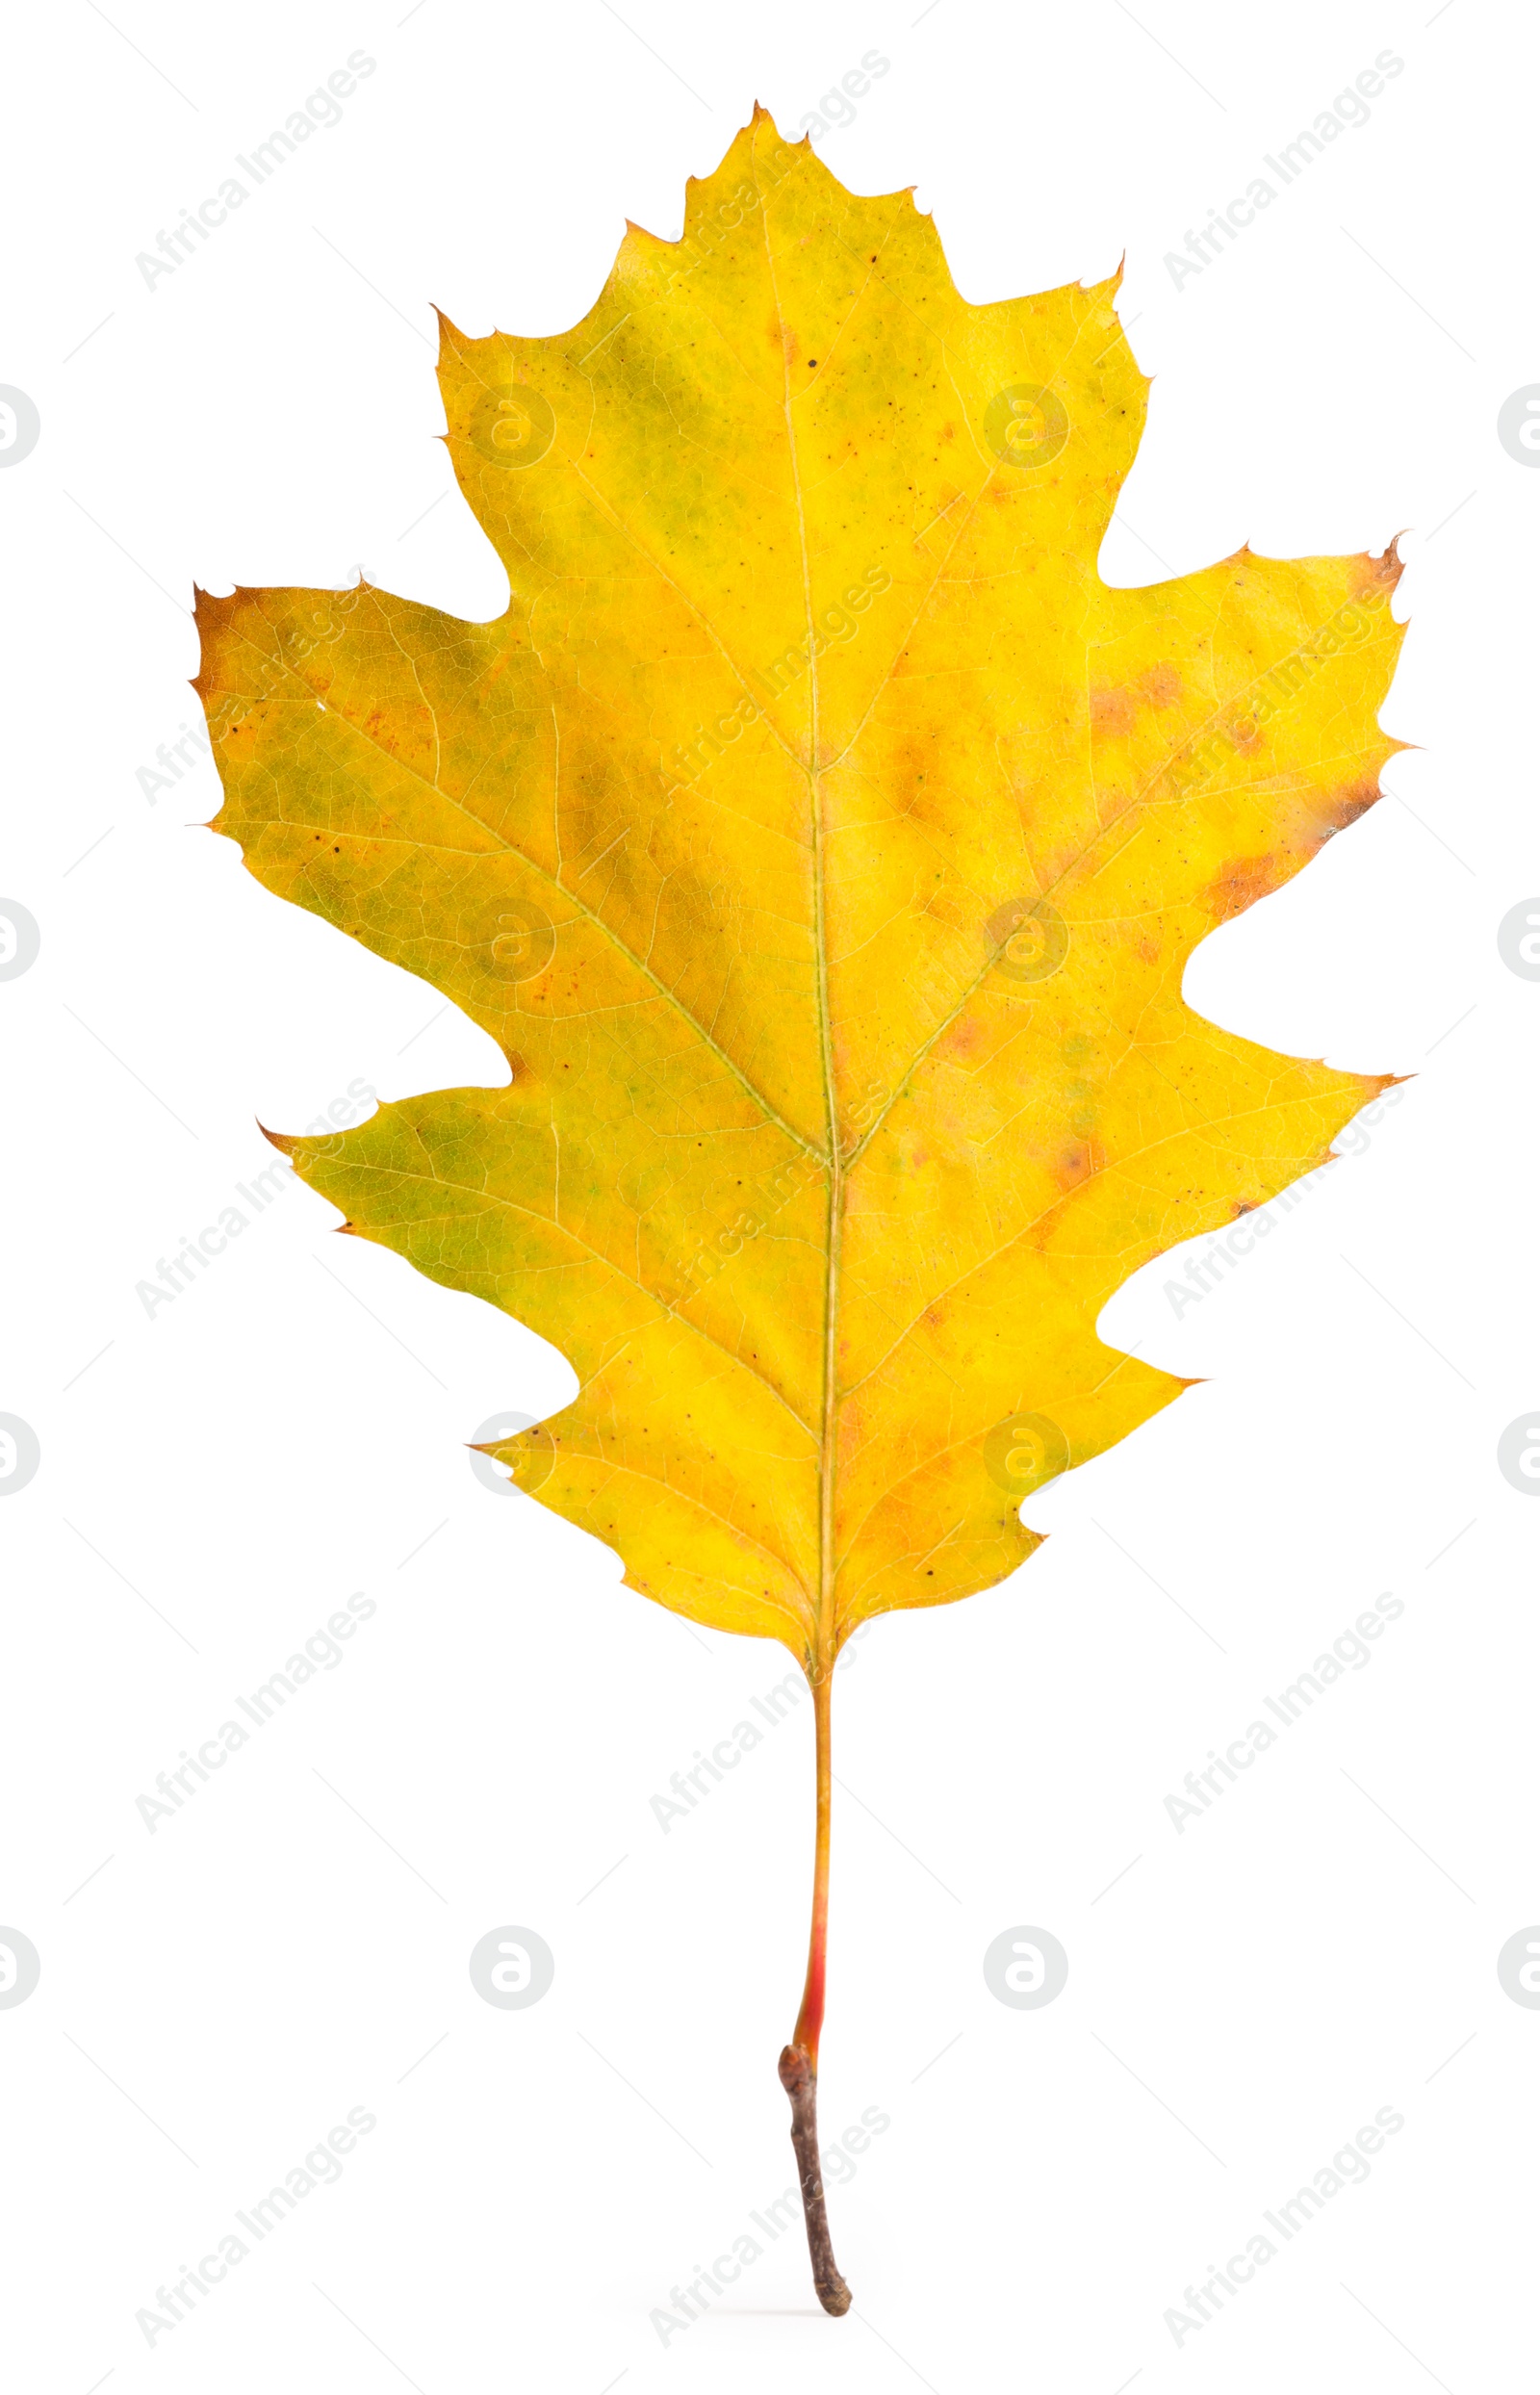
828,1454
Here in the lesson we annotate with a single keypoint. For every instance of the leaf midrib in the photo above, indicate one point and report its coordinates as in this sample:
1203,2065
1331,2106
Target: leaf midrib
829,1442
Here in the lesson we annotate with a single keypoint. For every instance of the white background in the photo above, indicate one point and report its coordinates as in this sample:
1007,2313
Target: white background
215,1480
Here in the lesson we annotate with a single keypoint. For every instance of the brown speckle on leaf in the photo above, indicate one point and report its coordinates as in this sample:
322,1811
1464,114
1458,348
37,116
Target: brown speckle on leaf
1367,576
1347,805
1113,712
1239,883
1161,685
1329,812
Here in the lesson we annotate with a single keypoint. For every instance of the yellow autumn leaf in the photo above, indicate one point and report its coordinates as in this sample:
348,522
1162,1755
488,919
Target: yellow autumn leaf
823,842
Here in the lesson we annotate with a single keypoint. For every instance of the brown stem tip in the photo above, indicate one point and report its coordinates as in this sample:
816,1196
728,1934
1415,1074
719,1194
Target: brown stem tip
801,2083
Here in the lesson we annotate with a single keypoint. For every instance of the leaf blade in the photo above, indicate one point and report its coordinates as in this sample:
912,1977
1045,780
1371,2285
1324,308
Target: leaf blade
823,842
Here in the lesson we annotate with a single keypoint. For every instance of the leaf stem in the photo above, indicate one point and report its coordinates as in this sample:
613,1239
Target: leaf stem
799,2061
811,2019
